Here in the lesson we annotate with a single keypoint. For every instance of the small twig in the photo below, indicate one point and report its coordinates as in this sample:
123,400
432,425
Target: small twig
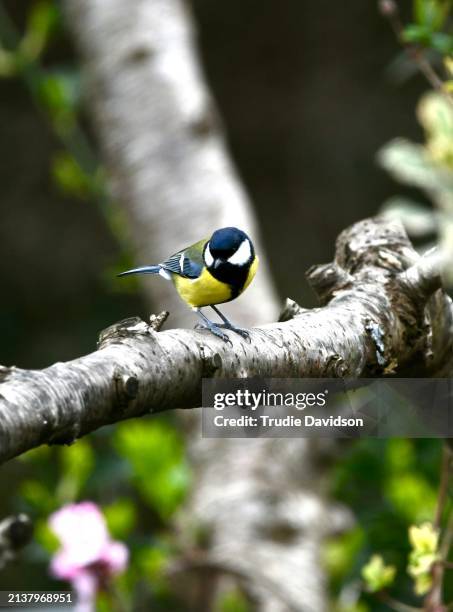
443,486
390,10
396,605
434,598
447,539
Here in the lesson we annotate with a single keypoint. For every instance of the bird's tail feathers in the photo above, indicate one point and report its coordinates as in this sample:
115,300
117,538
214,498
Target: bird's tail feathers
142,270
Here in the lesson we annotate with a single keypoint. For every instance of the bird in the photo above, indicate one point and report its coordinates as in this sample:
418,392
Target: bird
212,271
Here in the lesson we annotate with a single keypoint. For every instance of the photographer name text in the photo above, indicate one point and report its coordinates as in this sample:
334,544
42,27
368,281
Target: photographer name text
221,420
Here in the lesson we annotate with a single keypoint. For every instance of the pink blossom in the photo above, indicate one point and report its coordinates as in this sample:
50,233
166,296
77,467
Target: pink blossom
88,557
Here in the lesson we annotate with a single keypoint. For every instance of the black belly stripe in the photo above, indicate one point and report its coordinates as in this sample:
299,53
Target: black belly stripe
234,276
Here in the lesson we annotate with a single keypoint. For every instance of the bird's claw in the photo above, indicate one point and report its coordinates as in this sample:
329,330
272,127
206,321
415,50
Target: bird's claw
214,329
244,333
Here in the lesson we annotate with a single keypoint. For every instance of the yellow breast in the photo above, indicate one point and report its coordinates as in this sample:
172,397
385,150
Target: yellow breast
252,272
206,290
202,291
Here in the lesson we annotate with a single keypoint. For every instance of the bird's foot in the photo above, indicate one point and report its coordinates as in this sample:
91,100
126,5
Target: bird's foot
214,329
238,330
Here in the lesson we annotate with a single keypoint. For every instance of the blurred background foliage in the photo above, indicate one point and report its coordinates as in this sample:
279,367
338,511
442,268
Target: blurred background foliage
309,93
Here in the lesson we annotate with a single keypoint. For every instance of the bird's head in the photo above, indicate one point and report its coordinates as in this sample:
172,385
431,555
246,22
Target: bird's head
228,246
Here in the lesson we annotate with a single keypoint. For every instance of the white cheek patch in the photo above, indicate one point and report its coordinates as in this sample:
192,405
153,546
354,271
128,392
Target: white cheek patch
208,258
242,255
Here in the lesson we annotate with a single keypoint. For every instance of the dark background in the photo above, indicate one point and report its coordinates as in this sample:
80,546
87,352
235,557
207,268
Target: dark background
306,98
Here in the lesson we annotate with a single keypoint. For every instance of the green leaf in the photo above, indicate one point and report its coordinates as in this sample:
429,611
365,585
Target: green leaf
435,113
377,575
45,536
423,584
37,495
8,63
156,454
411,496
442,42
417,219
152,562
70,177
121,517
43,20
77,463
431,13
413,165
417,34
400,455
340,553
59,93
424,538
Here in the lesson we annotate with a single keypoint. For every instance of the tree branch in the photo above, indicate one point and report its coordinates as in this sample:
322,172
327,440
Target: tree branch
375,323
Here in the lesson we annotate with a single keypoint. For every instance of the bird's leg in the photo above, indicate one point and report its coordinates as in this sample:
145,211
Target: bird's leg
212,327
228,325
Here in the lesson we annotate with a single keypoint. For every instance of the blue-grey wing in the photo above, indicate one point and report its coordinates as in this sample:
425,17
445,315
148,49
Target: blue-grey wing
187,263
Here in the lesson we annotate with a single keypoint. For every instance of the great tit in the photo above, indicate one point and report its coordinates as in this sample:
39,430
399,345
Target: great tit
211,271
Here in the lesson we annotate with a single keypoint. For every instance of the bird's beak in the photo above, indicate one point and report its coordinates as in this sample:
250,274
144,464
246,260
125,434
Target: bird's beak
218,262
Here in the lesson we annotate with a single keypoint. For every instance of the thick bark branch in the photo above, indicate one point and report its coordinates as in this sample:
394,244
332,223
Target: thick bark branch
377,322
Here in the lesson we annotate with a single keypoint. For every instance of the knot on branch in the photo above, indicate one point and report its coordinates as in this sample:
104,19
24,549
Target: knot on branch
417,301
290,310
126,387
139,54
65,436
211,362
206,122
5,372
122,329
15,533
336,367
326,279
131,326
377,243
423,278
156,321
